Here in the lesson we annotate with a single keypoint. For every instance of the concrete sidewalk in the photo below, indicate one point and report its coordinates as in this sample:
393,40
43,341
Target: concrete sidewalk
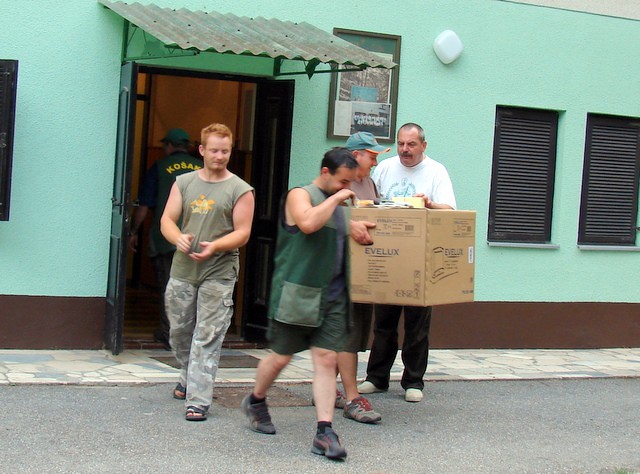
80,367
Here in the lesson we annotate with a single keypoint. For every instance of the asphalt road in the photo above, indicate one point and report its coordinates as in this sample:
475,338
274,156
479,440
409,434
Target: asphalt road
550,426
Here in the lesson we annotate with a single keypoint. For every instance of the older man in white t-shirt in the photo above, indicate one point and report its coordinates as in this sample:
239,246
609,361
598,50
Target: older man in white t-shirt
410,173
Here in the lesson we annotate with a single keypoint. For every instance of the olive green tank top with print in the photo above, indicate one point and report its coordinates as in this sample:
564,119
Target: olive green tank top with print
307,264
207,213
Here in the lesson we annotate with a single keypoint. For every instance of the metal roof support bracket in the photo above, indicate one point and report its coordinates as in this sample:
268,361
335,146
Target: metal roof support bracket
277,66
310,69
152,48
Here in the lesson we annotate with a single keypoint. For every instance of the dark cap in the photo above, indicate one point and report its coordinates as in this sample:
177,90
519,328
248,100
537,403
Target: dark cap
176,136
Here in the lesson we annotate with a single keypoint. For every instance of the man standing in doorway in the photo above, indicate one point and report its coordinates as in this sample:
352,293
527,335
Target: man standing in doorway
153,195
410,173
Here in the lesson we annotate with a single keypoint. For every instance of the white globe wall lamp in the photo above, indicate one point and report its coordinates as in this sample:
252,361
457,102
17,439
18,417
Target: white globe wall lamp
448,46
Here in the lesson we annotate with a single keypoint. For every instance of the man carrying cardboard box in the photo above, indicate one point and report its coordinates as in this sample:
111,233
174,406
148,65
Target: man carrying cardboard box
410,173
365,149
309,305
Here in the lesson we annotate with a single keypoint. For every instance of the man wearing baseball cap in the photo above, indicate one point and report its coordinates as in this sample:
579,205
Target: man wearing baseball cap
365,150
153,195
176,137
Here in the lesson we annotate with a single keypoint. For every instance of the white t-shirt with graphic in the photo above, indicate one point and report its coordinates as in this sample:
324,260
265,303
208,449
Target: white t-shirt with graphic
429,177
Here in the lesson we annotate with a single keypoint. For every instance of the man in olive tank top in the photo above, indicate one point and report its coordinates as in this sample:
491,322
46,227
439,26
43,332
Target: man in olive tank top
215,208
309,301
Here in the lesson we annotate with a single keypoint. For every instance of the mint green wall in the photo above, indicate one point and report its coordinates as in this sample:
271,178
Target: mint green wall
57,239
56,242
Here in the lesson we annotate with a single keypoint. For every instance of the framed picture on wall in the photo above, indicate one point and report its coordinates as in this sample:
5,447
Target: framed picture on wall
365,101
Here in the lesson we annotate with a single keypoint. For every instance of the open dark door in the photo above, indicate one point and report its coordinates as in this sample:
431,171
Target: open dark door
114,316
270,178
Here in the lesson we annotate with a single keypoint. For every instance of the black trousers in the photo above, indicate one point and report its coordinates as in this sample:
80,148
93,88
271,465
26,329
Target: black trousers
415,347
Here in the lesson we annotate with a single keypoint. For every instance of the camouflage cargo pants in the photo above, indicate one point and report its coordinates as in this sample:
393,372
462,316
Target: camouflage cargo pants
199,317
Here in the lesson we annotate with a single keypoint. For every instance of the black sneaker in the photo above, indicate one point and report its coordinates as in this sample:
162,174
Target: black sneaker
328,444
258,414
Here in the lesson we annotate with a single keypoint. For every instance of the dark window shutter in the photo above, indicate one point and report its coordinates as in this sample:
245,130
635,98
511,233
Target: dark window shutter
609,204
8,85
523,173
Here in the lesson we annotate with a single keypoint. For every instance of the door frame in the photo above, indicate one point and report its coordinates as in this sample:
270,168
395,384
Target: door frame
120,209
270,176
116,286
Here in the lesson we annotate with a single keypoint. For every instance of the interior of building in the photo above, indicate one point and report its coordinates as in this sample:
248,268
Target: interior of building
166,100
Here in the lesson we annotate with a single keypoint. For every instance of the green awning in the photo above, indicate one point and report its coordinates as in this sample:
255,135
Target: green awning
199,31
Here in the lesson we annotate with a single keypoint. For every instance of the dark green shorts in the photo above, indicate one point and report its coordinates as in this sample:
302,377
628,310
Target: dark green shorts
287,339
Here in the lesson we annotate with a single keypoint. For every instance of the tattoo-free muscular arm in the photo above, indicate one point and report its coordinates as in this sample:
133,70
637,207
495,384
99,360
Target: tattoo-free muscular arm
308,218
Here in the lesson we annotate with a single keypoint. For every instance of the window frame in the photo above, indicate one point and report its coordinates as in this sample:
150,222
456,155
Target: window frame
523,175
8,88
610,189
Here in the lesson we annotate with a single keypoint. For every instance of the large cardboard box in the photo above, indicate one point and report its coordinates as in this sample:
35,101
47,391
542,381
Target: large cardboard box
419,257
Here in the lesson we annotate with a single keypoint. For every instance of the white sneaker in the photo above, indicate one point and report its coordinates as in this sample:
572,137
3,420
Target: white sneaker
368,387
413,395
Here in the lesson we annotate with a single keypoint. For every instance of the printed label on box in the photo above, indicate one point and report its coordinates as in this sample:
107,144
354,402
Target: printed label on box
463,228
397,227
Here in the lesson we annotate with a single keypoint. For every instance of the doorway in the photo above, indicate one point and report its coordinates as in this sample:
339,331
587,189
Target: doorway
259,112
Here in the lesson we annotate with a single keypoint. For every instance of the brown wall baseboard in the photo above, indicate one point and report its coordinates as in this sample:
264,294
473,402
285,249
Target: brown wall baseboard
40,322
519,325
46,322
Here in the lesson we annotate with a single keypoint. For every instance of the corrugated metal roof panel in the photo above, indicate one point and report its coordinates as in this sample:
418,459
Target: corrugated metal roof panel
228,33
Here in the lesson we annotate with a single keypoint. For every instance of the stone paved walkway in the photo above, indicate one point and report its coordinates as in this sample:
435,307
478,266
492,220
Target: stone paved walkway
138,367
